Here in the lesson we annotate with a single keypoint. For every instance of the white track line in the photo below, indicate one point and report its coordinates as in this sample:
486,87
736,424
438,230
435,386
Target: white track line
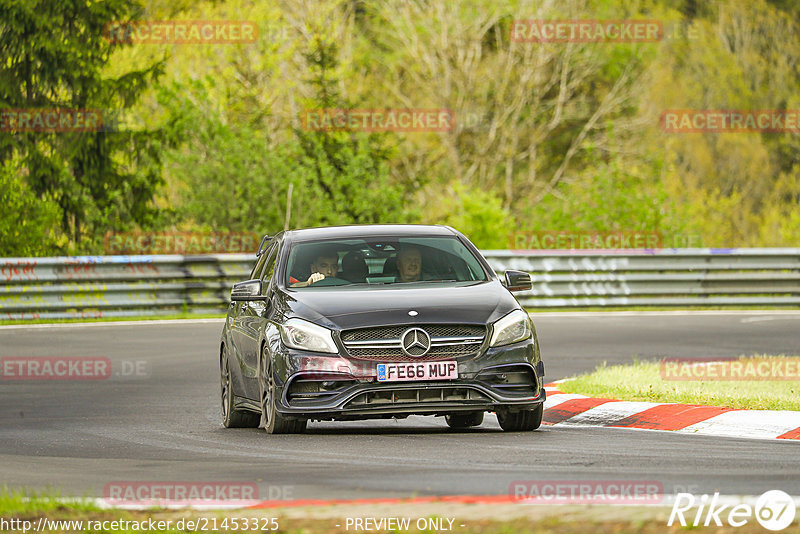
764,424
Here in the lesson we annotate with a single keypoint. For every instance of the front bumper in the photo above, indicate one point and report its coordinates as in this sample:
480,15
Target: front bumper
508,378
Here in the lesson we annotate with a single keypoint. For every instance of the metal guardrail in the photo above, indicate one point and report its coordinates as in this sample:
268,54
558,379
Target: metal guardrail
119,286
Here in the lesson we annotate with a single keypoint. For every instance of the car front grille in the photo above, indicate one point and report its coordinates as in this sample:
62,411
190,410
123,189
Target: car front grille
419,396
384,343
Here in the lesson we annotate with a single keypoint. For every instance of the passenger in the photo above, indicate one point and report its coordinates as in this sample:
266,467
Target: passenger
409,264
326,264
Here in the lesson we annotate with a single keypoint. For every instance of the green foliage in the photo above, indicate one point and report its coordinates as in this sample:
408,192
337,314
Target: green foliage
235,176
347,179
27,223
611,197
229,177
739,189
548,136
348,173
52,55
478,214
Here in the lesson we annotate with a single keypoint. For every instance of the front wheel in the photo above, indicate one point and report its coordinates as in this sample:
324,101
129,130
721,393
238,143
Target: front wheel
274,422
521,421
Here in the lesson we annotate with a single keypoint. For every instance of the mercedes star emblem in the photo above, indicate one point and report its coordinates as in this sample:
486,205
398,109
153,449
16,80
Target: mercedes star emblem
415,342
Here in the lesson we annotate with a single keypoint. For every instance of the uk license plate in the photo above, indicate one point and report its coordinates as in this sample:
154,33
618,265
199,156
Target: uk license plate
395,372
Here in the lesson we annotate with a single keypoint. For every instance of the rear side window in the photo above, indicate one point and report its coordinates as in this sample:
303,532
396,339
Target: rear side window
269,270
259,267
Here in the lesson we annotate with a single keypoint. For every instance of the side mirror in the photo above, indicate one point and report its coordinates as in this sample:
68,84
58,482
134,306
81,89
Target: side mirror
517,281
249,290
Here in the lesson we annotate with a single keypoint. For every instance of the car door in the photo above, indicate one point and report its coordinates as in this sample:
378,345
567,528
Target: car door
255,314
244,331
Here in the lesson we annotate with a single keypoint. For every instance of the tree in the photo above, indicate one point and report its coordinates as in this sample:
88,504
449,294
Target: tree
27,223
349,171
230,177
525,112
741,188
476,213
53,55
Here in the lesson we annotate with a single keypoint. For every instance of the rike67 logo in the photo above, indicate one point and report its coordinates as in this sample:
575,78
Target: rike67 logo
774,510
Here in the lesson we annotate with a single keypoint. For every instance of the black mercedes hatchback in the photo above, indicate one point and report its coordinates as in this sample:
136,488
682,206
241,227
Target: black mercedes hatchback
364,322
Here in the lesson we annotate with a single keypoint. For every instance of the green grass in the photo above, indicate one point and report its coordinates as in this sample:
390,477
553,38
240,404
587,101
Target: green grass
643,381
118,319
599,519
25,503
16,506
533,309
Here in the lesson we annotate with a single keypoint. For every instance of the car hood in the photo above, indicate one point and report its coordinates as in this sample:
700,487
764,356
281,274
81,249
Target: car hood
342,309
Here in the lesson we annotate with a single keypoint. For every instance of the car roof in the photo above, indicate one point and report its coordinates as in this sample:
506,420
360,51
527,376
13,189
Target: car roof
370,230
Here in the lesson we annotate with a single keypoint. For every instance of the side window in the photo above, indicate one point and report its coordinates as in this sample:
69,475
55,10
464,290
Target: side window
271,263
259,268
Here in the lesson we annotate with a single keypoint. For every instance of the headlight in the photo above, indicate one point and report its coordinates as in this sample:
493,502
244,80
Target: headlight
300,334
514,327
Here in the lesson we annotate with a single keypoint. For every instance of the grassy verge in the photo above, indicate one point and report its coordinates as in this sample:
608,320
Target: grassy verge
660,308
117,319
650,381
602,519
25,504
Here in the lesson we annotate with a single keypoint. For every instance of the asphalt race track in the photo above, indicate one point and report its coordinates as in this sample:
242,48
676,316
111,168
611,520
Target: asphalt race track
163,424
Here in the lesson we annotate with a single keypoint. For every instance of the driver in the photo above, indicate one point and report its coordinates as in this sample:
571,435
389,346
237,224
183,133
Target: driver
326,264
409,264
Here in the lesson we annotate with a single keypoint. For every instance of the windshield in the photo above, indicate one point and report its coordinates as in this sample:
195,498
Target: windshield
382,261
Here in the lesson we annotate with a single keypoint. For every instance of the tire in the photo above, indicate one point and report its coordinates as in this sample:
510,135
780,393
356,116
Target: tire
464,420
231,417
522,421
273,421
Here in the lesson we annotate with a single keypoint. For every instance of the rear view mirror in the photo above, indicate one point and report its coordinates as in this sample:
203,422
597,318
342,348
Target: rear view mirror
518,281
249,290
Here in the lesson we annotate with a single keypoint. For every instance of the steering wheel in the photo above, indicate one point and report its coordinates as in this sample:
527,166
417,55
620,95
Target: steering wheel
330,281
